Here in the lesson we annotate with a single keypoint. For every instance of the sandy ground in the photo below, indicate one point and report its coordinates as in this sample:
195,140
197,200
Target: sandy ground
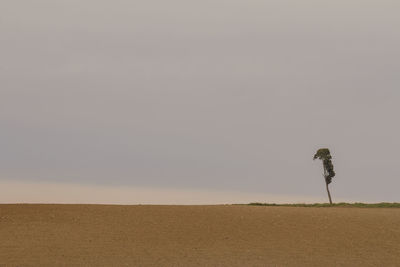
106,235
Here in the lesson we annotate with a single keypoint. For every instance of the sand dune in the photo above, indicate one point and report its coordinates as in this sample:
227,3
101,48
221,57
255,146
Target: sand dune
110,235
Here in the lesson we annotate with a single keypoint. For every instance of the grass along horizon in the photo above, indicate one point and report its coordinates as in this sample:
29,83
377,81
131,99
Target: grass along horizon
340,204
317,205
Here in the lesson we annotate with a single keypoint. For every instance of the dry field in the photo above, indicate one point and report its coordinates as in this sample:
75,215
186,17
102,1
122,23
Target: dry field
107,235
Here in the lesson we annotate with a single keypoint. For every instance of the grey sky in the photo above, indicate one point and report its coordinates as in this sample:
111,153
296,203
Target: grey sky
221,95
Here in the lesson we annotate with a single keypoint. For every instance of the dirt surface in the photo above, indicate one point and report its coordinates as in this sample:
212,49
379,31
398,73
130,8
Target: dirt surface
106,235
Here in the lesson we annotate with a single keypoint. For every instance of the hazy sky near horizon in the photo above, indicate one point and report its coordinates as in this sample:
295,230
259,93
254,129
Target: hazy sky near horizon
222,95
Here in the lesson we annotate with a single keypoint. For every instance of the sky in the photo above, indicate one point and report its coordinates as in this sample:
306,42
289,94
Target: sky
214,97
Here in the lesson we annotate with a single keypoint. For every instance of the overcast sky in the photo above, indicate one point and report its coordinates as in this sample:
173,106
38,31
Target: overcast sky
202,95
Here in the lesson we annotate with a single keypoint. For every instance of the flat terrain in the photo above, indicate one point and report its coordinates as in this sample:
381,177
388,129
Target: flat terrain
106,235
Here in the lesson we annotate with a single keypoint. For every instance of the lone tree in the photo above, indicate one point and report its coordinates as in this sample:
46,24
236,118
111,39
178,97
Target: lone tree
325,155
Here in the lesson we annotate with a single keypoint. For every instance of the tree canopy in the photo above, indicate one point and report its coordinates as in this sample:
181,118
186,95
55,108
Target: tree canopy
325,155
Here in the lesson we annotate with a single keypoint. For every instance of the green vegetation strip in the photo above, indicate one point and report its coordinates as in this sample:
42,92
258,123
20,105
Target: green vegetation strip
342,204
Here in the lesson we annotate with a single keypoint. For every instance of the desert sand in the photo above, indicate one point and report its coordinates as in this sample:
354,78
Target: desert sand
221,235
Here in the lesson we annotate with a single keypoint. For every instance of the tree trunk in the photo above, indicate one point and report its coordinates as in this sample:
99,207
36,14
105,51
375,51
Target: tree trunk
327,187
329,194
